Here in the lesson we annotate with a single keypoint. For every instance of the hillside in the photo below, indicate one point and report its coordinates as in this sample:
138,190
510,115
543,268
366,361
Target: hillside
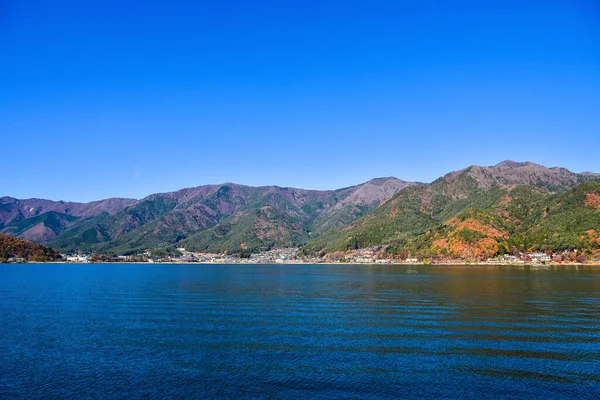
12,247
522,219
214,217
417,210
475,212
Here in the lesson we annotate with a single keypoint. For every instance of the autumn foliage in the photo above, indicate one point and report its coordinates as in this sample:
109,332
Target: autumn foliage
467,239
12,247
593,200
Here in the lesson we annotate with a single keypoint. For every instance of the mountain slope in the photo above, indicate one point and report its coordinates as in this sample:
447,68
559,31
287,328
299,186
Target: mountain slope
477,211
12,209
41,220
227,217
41,228
523,219
417,209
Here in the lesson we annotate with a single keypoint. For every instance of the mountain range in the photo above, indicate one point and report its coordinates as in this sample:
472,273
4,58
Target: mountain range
472,213
209,218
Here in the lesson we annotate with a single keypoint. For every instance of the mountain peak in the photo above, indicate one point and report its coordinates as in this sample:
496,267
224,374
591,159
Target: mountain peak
511,163
590,174
508,173
383,180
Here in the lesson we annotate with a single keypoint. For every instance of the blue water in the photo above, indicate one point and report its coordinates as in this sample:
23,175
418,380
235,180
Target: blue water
247,331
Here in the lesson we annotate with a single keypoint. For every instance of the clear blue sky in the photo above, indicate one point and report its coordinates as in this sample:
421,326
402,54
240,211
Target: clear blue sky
120,98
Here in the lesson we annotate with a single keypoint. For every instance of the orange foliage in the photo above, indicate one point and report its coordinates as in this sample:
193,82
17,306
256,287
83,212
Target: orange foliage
475,225
454,221
455,246
440,244
505,200
593,200
483,248
592,236
11,246
458,248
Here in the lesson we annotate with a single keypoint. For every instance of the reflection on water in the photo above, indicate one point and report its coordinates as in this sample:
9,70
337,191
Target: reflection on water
296,331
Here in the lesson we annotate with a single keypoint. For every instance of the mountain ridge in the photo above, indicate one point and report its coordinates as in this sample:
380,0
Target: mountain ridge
178,214
419,208
234,217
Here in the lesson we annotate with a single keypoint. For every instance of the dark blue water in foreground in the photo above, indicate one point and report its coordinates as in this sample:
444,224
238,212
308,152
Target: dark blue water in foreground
201,331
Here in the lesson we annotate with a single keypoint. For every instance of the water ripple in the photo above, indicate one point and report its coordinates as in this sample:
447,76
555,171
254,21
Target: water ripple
370,332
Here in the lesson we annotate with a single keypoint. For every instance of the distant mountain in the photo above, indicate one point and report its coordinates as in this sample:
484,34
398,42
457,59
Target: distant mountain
290,217
41,228
509,173
417,210
41,220
20,209
214,217
12,247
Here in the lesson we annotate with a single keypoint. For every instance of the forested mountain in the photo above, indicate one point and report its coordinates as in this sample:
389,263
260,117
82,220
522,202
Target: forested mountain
213,217
519,219
478,212
475,212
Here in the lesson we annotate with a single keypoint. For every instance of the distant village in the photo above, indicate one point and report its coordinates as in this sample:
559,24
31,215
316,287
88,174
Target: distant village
295,256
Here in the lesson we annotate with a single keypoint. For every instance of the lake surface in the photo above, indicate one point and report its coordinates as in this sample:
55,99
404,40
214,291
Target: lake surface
286,331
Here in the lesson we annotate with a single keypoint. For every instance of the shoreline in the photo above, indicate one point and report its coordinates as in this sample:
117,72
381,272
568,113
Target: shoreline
593,264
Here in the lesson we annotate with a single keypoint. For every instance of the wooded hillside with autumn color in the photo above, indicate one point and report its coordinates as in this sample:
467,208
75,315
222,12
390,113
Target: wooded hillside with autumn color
471,214
14,248
481,212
